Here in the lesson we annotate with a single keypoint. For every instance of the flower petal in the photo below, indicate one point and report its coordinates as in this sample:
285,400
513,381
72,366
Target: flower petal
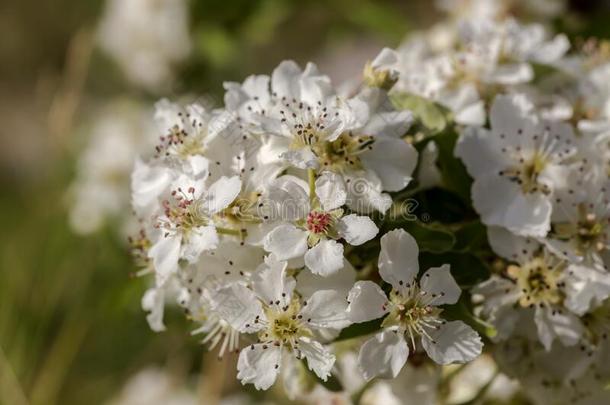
330,190
286,241
153,302
552,324
398,259
393,160
357,229
367,301
325,258
259,364
271,283
199,240
453,342
238,306
326,309
383,355
221,194
319,359
165,254
341,281
438,282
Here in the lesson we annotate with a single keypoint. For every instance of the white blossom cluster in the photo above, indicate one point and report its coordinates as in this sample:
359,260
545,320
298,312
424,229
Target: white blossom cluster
253,216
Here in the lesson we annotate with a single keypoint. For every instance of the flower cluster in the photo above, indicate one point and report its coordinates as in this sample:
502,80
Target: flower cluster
275,221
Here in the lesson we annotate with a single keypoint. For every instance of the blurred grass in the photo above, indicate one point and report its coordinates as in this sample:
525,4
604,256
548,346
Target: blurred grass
70,320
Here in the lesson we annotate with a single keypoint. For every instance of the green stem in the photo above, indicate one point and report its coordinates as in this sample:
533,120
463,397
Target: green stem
227,231
311,176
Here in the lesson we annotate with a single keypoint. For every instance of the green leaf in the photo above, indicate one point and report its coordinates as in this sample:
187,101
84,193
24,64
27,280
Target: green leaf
433,237
433,116
453,172
471,237
360,329
460,311
466,268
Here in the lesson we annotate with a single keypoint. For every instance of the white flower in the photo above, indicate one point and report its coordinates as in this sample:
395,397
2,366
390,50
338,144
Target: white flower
187,225
308,126
154,386
412,310
580,230
541,287
146,38
192,136
312,223
517,165
99,192
286,325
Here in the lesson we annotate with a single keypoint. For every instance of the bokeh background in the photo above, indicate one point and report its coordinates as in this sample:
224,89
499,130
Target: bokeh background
77,73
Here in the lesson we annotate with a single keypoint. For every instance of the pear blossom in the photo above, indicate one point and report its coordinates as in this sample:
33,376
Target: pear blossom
412,311
580,225
187,224
311,222
540,287
305,123
137,35
517,166
287,326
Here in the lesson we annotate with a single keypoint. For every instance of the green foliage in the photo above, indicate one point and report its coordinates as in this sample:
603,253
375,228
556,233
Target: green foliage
432,116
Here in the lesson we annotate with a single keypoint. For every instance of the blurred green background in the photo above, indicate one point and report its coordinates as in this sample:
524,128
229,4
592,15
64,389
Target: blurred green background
71,327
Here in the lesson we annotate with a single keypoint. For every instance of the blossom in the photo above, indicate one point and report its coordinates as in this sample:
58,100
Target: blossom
286,325
517,165
137,35
539,287
580,224
412,310
187,224
304,123
311,222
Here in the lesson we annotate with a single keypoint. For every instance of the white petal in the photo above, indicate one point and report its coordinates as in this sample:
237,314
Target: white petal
238,306
383,355
501,202
341,281
453,342
289,198
391,124
153,302
221,194
271,283
286,242
330,190
197,165
148,183
199,240
319,359
585,288
398,259
285,80
259,366
366,302
393,161
439,282
365,195
510,246
326,309
325,258
357,229
478,151
552,324
302,158
165,254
